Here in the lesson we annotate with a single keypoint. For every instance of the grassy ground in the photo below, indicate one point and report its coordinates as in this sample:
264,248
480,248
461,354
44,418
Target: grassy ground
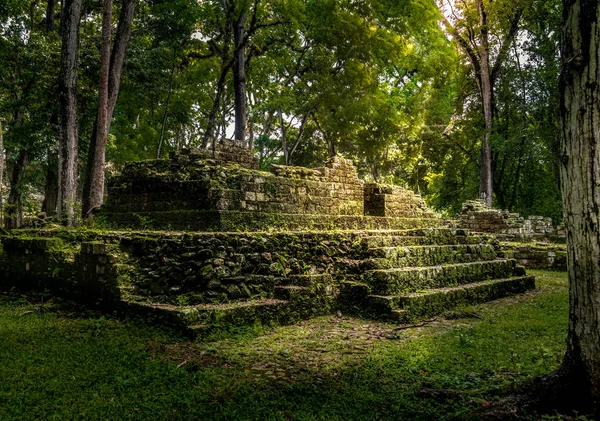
60,364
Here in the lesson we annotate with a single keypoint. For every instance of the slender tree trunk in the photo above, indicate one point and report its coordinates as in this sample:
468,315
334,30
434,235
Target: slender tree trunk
212,117
94,183
284,146
13,218
239,77
166,113
51,189
110,78
300,133
2,162
70,18
580,181
50,15
486,179
117,58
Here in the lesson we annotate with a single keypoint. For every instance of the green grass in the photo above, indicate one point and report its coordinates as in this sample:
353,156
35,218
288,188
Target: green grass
59,364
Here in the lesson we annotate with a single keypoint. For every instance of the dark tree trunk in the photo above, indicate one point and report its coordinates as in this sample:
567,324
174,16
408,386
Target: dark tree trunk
110,78
50,15
13,216
239,76
166,113
70,17
580,181
94,183
2,162
284,145
51,189
117,58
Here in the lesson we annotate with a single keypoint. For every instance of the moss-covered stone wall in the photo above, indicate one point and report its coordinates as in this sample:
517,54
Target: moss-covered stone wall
394,201
189,191
477,216
69,266
182,268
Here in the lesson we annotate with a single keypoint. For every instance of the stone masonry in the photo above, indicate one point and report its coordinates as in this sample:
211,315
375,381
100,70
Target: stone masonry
189,187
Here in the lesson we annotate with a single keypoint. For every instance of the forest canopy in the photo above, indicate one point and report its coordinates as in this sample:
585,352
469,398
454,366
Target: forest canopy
388,84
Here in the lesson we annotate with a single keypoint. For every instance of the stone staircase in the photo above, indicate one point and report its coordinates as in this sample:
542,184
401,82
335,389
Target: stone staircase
396,275
408,277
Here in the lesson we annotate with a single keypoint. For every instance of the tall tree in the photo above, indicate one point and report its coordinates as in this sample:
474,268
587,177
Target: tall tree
476,40
111,66
70,19
580,178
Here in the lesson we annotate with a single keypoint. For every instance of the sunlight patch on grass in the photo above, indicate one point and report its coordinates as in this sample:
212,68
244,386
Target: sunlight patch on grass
63,364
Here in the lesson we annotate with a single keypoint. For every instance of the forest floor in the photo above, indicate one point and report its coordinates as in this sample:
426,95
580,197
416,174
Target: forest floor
57,362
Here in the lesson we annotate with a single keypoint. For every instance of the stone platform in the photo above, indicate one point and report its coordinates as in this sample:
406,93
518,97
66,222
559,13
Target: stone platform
223,244
201,281
189,192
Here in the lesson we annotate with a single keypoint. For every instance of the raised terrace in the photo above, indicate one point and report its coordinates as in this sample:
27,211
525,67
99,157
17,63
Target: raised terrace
238,246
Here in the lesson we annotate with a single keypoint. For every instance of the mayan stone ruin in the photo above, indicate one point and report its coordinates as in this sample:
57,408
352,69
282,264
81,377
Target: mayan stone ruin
205,241
533,241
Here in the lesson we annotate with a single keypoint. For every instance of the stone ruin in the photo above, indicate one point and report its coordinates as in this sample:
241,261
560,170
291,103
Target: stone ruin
227,245
189,191
532,241
507,226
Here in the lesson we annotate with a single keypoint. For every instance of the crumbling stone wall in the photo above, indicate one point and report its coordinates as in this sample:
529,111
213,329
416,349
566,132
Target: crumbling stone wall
394,201
170,190
187,268
85,270
536,255
477,216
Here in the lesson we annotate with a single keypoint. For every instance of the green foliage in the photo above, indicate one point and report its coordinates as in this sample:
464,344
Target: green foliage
377,81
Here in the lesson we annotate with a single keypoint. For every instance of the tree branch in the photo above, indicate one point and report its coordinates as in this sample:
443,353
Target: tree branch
506,43
475,60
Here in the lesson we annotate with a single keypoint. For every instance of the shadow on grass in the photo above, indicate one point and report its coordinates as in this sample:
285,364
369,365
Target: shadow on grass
69,365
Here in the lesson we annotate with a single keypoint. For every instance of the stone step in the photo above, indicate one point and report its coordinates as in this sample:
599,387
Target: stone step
307,280
435,301
216,315
397,257
290,292
404,280
422,237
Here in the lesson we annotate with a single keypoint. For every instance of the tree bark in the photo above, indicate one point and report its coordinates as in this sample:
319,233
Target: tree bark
70,18
580,181
166,113
239,76
50,15
110,78
51,189
13,217
117,58
478,51
487,92
2,162
94,183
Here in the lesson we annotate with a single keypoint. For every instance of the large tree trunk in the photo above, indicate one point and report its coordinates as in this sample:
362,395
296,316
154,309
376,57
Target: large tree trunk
110,78
239,76
478,51
70,17
580,181
487,92
94,183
